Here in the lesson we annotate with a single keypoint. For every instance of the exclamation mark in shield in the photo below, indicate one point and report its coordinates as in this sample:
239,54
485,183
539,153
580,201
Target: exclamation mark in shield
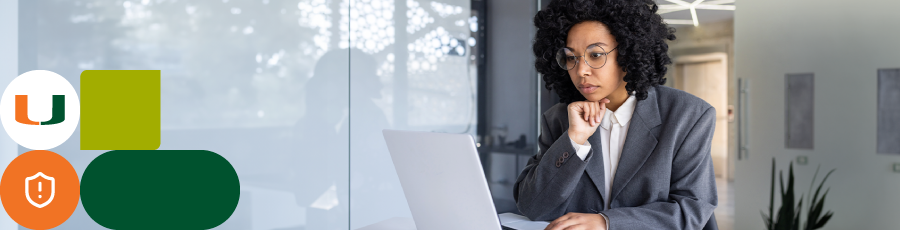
40,188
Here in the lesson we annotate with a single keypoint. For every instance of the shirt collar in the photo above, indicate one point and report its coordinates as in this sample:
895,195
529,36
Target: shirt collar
622,115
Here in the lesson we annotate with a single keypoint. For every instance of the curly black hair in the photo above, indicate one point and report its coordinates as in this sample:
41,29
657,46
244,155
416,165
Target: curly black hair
639,30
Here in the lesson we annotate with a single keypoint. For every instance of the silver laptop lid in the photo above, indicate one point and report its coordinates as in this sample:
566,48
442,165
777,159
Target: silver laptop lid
442,178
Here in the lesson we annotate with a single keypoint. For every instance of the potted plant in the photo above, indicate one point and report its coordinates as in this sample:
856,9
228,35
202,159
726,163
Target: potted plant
789,214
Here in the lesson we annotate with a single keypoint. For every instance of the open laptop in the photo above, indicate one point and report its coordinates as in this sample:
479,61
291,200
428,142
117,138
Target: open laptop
444,183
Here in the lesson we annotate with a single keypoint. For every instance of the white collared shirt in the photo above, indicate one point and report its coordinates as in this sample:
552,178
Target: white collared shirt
614,130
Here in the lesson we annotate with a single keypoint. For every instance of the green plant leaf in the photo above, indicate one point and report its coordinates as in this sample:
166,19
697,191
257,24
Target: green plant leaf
821,223
786,214
821,184
783,221
819,205
766,219
789,215
789,201
812,199
815,208
770,223
797,214
781,182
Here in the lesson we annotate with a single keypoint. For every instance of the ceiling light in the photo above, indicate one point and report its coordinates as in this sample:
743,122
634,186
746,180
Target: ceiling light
679,5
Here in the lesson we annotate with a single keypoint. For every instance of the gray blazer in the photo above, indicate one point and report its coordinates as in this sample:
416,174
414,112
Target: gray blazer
665,176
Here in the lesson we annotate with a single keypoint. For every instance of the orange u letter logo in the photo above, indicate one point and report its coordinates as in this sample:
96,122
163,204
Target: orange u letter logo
59,110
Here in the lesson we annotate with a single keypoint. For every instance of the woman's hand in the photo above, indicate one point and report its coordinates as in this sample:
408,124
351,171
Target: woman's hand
584,116
578,221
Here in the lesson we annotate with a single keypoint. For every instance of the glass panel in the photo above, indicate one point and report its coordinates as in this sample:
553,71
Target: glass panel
8,71
263,83
413,67
511,108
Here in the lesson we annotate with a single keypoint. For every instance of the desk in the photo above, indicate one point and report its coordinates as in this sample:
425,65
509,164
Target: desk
396,223
506,219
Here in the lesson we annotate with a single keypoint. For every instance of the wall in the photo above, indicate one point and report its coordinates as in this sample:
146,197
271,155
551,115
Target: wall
843,43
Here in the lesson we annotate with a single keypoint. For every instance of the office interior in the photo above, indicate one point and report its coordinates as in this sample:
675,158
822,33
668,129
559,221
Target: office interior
295,94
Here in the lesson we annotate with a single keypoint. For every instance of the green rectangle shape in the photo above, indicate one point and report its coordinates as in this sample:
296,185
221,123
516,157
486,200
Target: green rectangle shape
120,109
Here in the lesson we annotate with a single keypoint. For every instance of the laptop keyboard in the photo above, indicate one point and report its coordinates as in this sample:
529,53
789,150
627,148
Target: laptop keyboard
507,228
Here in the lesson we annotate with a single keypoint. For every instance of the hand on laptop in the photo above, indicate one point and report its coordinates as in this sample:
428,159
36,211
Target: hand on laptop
584,116
578,221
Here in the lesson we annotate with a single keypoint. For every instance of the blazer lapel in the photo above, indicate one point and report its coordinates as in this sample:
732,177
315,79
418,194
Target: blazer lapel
595,166
639,142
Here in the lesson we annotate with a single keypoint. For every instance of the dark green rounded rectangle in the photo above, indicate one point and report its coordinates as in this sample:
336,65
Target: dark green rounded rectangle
160,189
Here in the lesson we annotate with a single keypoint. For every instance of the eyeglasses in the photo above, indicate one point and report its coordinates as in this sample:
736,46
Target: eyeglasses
595,57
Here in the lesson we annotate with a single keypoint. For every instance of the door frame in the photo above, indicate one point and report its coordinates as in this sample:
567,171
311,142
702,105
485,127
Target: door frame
722,57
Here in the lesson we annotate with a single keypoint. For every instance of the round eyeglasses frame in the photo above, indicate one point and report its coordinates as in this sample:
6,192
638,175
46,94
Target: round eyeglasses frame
563,65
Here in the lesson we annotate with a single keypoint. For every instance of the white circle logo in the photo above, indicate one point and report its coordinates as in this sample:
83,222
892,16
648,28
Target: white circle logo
39,110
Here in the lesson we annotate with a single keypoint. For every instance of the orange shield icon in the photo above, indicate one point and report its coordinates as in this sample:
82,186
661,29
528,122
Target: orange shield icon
40,189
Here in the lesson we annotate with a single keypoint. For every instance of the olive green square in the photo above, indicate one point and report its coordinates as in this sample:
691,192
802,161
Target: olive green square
120,109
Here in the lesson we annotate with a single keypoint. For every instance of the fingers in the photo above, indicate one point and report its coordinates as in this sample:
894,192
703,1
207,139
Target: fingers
590,117
586,110
554,223
579,109
603,104
563,222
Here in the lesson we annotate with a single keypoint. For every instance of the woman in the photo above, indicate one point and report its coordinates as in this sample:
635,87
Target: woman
620,151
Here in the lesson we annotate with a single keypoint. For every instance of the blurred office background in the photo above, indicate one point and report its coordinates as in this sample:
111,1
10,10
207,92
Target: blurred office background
295,94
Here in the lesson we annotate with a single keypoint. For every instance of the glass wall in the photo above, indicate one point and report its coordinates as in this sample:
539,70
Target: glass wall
9,35
412,67
293,93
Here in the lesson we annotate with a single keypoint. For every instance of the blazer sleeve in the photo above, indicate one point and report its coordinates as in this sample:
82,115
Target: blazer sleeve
549,177
692,194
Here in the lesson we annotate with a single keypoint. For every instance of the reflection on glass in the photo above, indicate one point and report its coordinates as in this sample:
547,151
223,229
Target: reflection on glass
262,83
434,90
293,93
